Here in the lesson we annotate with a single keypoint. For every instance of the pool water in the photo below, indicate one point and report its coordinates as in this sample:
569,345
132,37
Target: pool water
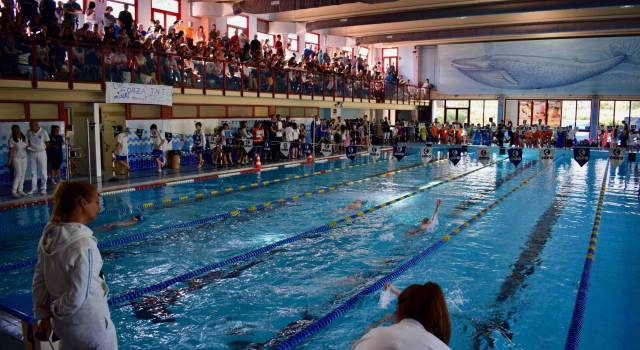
510,278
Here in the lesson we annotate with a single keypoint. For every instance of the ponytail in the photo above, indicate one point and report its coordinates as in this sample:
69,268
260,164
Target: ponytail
67,197
427,305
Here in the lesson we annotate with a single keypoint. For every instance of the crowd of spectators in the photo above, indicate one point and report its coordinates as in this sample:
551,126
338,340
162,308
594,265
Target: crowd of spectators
179,54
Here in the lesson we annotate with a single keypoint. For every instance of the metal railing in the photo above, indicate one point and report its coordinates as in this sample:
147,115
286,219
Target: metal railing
74,62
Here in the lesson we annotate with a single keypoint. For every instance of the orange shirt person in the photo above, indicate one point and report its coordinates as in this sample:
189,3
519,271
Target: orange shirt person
444,135
435,132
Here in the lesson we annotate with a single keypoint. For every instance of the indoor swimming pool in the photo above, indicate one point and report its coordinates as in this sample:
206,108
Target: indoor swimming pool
276,259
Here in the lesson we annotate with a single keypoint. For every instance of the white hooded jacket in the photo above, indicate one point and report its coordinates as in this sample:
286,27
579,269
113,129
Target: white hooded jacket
68,276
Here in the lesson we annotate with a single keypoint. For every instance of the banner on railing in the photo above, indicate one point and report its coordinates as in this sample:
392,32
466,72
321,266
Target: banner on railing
139,93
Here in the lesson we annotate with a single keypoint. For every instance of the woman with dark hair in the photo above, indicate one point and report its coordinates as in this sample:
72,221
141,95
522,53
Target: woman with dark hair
18,160
67,283
423,322
54,153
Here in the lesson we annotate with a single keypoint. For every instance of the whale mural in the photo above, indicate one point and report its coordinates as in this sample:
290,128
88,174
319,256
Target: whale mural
567,65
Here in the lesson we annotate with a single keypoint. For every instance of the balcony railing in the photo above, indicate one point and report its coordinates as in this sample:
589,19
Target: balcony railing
85,63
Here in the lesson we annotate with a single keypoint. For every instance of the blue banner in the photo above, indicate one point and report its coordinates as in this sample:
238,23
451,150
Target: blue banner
581,155
399,152
454,155
266,146
515,155
351,152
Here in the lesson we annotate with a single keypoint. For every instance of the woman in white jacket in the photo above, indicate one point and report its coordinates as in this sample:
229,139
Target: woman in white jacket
68,287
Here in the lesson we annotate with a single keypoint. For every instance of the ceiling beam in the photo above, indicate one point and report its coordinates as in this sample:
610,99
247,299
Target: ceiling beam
591,27
274,6
492,8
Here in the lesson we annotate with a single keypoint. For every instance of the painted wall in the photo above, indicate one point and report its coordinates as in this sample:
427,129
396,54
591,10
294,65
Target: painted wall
560,67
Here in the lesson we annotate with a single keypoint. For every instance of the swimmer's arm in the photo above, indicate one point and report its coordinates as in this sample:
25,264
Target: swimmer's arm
392,288
436,211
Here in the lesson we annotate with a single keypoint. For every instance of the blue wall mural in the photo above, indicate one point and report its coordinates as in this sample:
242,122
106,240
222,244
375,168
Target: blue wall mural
598,66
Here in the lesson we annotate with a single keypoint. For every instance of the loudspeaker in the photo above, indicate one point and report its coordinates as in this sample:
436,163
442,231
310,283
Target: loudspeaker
424,114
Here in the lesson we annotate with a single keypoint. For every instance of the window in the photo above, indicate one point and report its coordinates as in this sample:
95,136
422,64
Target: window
569,109
293,40
482,110
349,51
165,11
363,52
262,37
390,57
634,118
438,111
583,114
458,103
622,110
239,23
118,5
312,41
605,117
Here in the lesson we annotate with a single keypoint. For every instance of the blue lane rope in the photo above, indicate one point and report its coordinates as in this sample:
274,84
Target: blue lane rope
577,319
30,262
199,195
334,314
138,292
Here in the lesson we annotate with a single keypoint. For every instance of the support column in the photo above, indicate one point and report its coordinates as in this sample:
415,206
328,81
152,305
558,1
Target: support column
501,103
595,110
96,137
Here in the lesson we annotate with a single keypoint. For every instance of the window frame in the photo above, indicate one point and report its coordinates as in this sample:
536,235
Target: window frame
165,13
311,43
391,58
122,2
247,29
297,39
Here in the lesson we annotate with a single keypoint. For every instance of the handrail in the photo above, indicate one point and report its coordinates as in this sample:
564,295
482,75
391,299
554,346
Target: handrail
140,65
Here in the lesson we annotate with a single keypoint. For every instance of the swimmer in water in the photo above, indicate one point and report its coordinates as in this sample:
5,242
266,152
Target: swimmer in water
108,227
357,204
428,225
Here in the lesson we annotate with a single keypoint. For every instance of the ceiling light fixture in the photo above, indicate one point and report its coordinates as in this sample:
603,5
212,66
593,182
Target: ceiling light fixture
463,17
343,20
275,3
389,36
626,6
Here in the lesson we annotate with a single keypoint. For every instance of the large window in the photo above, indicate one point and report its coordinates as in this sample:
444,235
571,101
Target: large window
312,41
614,112
262,37
165,11
118,6
237,23
465,111
293,40
363,53
390,57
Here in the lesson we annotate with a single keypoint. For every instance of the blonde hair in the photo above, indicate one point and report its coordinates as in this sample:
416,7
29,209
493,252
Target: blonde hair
67,197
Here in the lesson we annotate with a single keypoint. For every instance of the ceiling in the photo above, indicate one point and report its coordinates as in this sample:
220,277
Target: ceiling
426,22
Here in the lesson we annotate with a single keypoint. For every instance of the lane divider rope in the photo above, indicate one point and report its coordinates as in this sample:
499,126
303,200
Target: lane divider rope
138,292
577,318
30,262
334,314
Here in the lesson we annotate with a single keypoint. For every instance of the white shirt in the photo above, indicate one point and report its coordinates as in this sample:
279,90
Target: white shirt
571,134
288,134
407,334
20,148
296,135
279,129
37,139
156,140
123,140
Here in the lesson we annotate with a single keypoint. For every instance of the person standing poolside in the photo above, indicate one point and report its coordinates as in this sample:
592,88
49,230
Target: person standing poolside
428,225
122,152
157,141
54,154
423,322
38,140
198,144
17,160
68,286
